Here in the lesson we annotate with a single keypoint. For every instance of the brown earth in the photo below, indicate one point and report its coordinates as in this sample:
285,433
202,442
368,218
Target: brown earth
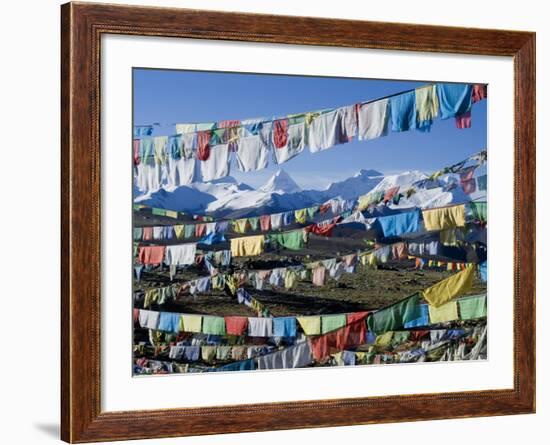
366,289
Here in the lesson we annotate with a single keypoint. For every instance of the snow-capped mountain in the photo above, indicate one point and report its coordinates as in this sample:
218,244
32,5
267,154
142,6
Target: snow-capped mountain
359,184
280,182
443,191
403,180
226,197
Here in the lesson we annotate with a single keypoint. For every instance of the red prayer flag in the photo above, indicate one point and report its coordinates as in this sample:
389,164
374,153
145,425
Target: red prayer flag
390,193
203,145
352,334
265,223
467,180
418,335
147,234
325,230
200,230
236,325
151,254
280,133
399,251
228,124
479,92
469,186
464,120
137,159
356,316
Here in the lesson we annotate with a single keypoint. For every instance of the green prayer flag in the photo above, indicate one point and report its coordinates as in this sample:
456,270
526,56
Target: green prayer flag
479,210
218,136
254,222
189,231
213,325
332,322
294,240
146,151
159,212
395,316
294,119
473,307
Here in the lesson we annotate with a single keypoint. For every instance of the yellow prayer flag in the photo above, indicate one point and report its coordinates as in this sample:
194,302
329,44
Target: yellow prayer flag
384,339
247,246
291,279
444,218
190,323
151,296
179,230
427,103
156,337
239,225
301,216
441,314
171,214
310,325
444,291
338,358
160,143
369,260
208,353
311,116
364,202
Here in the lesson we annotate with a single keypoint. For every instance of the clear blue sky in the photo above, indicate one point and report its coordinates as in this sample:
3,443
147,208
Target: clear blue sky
174,96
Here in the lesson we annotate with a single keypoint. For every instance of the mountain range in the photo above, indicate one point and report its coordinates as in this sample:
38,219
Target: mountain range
228,198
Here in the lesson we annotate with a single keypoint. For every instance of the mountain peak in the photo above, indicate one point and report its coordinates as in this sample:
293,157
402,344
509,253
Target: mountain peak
360,183
363,173
280,182
403,179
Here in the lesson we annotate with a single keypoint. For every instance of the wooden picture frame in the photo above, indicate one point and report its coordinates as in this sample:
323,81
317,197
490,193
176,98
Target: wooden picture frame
82,26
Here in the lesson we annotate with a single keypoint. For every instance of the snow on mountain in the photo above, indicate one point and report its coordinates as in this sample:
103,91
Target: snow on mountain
280,182
228,198
443,191
195,197
359,184
430,198
278,194
403,180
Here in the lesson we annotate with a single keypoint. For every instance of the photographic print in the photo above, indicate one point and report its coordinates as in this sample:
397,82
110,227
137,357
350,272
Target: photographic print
299,206
284,222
